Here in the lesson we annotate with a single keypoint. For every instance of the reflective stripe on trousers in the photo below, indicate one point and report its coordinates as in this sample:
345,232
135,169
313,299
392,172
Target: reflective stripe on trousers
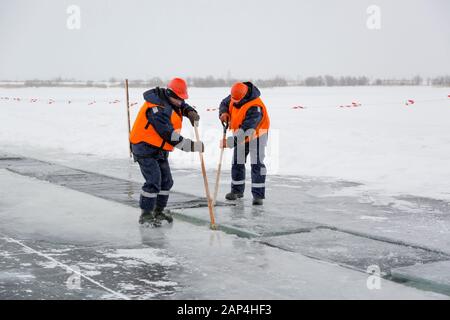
148,194
258,185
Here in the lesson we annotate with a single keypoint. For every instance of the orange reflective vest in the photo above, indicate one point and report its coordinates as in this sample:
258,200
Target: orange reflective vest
143,131
237,116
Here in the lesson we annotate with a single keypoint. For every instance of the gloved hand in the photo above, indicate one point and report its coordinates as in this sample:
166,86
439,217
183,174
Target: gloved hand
187,145
193,117
224,117
198,146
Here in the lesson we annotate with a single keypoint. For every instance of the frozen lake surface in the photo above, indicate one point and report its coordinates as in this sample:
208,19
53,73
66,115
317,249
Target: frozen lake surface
60,223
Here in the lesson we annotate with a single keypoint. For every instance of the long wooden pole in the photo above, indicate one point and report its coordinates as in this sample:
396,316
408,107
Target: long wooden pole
205,180
127,92
219,169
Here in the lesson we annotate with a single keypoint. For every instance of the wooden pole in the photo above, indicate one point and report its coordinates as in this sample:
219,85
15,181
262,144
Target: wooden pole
219,169
205,180
127,92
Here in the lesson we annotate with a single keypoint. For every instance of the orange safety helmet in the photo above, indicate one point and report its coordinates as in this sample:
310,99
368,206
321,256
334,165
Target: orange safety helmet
238,91
179,87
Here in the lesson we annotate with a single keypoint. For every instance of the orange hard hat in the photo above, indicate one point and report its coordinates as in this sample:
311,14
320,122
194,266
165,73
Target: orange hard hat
238,91
179,87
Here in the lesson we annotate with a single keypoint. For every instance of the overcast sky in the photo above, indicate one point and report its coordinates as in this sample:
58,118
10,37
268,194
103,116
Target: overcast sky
248,38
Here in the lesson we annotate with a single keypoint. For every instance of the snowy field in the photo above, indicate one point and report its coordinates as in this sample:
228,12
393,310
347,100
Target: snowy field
351,187
384,144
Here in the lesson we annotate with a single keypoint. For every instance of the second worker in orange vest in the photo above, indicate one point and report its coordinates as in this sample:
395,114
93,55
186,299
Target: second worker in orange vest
155,133
248,119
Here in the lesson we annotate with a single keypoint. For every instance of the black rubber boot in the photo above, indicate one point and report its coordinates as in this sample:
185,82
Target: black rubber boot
160,215
234,196
258,202
149,217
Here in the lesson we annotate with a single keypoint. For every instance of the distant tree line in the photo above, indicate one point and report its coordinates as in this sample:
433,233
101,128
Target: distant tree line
330,81
63,83
441,81
211,82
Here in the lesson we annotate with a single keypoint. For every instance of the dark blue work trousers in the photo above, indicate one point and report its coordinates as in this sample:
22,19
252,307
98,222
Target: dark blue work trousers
256,148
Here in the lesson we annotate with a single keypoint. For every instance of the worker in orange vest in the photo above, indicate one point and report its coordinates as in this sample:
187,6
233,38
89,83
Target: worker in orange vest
155,133
248,119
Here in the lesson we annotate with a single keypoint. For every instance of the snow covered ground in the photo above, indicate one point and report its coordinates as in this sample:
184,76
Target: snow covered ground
386,145
349,187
